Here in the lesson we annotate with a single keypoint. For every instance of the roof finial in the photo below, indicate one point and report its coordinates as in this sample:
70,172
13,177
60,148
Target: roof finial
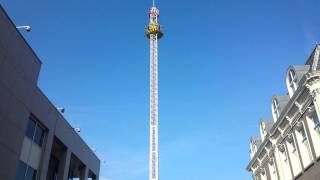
153,3
316,57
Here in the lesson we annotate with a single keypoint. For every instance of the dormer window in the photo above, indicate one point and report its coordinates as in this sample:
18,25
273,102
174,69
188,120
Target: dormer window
292,82
255,149
254,145
275,109
262,131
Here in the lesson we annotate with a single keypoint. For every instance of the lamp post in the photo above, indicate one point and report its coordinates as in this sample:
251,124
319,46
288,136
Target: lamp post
26,28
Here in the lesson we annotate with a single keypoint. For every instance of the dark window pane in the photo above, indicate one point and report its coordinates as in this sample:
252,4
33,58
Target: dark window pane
31,174
30,129
315,118
21,171
34,175
38,137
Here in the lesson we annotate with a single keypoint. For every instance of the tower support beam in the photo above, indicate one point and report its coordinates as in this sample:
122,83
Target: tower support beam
154,33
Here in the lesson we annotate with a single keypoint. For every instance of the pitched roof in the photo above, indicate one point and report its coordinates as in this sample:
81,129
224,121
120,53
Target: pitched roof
313,59
268,124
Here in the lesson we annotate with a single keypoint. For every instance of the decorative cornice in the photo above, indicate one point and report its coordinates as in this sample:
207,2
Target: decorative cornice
281,148
299,125
310,110
315,92
271,160
290,138
313,78
288,119
281,131
299,106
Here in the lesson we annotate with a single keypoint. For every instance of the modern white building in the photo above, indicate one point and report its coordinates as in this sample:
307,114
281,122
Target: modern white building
289,144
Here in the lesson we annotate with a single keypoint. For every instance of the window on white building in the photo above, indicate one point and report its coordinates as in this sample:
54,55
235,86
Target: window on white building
303,145
273,170
295,162
291,144
316,122
292,81
284,162
303,135
275,109
278,163
313,123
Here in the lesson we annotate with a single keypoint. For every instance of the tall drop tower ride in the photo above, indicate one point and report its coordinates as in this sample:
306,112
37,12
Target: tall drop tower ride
153,32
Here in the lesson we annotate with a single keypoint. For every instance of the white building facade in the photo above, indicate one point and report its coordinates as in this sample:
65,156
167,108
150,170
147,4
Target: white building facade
289,144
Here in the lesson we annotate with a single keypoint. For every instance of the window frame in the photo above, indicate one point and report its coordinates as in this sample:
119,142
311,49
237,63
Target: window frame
316,121
292,143
276,108
29,134
302,133
37,126
292,81
26,170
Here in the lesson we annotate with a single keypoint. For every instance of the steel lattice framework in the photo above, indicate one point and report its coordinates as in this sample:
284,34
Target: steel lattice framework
154,33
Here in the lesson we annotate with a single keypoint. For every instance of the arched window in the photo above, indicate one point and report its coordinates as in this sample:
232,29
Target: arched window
303,144
275,109
314,129
292,81
253,148
291,143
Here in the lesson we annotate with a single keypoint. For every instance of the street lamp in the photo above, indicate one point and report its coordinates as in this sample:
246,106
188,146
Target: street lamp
61,109
77,130
26,28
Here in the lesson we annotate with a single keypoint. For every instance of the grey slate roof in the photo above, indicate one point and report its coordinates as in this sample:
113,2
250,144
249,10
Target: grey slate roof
283,101
300,70
268,124
256,140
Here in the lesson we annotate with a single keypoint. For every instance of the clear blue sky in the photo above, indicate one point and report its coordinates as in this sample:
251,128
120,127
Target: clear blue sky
220,63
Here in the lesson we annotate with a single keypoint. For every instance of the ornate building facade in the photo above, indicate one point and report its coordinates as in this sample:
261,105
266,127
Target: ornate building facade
289,144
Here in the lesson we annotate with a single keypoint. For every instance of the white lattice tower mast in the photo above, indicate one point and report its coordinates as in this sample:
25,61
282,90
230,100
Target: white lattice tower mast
154,33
